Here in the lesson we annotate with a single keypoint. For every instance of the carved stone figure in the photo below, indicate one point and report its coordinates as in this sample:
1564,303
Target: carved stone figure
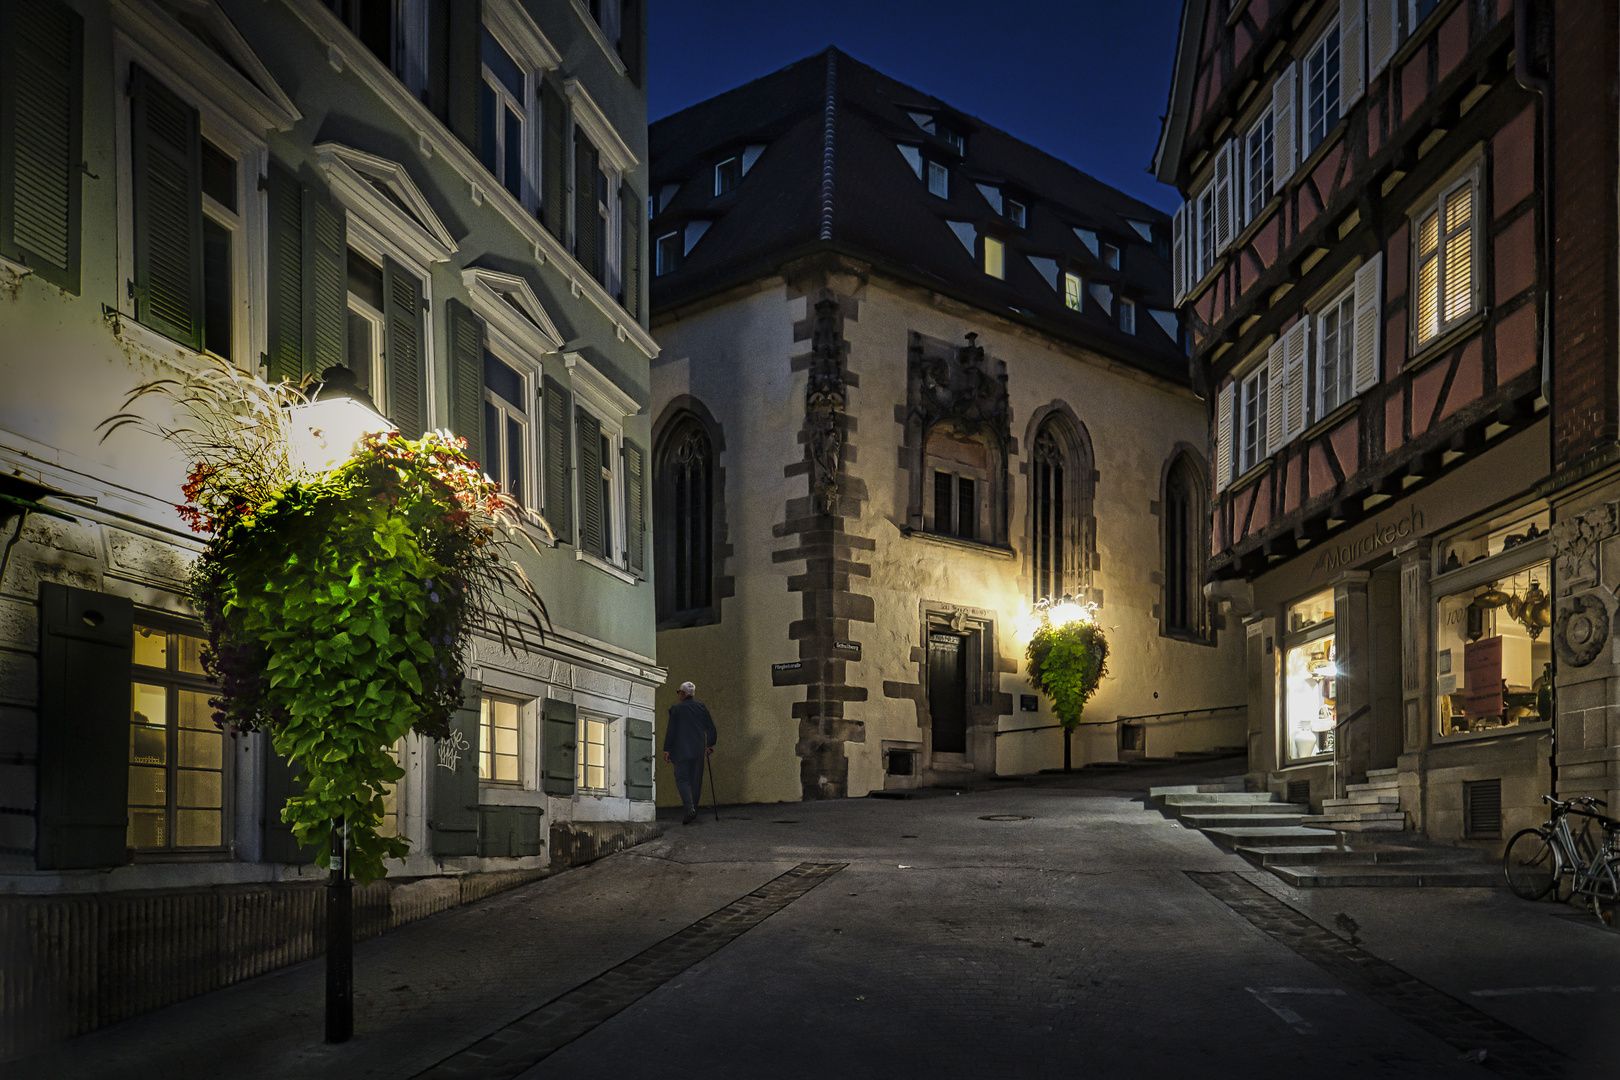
1581,630
825,397
1576,543
966,387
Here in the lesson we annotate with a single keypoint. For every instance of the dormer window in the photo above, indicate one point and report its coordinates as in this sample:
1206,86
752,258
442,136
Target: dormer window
1072,288
727,175
938,180
995,257
954,140
1127,315
1015,212
1110,256
668,251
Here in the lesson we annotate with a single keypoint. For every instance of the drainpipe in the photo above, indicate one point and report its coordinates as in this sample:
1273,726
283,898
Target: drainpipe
1539,86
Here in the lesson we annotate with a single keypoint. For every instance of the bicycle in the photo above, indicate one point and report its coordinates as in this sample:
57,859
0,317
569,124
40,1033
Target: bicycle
1537,861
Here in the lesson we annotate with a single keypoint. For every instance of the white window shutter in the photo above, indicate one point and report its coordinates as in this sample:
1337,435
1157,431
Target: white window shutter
1297,364
1223,436
1276,391
1178,251
1369,322
1284,144
1383,34
1223,197
1351,52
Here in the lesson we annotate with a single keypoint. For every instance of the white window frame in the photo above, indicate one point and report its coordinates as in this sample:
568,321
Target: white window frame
596,394
528,372
662,265
1203,235
371,242
1259,166
1017,212
610,729
520,707
735,159
954,139
1343,308
1253,414
1127,315
1329,93
1074,291
527,109
936,171
376,373
1434,207
1110,256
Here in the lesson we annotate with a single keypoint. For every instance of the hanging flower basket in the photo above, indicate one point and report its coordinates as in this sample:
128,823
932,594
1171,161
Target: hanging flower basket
1067,660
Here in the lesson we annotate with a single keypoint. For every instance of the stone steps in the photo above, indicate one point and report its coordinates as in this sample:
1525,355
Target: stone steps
1410,875
1394,821
1367,854
1206,821
1235,836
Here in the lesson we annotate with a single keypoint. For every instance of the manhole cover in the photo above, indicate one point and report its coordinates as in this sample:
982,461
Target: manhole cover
1006,817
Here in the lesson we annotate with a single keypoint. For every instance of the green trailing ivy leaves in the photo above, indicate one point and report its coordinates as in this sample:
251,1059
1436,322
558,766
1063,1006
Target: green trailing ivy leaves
1067,662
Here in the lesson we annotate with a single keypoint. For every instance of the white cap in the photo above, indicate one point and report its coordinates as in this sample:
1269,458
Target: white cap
689,689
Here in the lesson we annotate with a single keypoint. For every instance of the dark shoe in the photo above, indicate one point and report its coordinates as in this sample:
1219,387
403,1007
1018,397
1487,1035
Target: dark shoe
690,817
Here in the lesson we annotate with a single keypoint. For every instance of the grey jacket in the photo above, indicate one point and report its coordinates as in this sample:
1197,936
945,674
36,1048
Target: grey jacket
691,730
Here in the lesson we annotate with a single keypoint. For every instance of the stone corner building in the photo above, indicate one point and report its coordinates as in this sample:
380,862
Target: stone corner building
915,375
1397,259
438,196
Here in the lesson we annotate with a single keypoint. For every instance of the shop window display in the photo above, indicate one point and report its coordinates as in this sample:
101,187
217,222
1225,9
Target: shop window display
1310,676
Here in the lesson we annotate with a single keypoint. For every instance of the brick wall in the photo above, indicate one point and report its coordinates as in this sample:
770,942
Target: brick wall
1585,239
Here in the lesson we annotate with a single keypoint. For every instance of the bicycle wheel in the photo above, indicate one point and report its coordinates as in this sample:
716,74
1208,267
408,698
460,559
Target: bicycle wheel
1530,864
1605,886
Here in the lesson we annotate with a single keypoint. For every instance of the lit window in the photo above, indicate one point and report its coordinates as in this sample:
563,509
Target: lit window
1110,256
1444,265
590,768
995,257
1015,212
1322,89
1059,502
1072,289
1259,167
498,731
1252,407
1127,315
727,175
1310,678
506,427
502,105
177,774
669,253
1336,352
938,180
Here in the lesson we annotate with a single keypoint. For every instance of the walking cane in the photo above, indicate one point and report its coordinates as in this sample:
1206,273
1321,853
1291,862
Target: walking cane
714,800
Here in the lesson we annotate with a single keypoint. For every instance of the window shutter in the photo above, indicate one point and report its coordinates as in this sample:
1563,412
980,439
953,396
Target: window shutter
463,41
326,282
453,817
166,193
41,137
405,356
1369,322
284,197
1351,53
1284,144
559,723
1383,34
559,496
1178,251
630,39
635,506
84,703
638,759
1296,412
1276,391
1223,436
466,333
1224,221
553,161
280,784
588,438
630,220
585,212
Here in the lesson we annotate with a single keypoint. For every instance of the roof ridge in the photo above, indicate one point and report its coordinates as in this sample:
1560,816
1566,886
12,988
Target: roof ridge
829,133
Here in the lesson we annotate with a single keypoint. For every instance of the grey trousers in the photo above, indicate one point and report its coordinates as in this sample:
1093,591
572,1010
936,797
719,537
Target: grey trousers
689,781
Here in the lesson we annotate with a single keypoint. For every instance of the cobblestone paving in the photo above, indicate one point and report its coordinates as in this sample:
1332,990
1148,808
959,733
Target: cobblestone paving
532,1038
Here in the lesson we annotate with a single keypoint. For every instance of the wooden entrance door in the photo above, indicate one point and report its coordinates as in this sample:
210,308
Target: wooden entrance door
947,692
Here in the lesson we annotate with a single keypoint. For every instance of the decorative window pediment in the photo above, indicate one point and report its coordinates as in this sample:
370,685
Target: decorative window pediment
384,195
507,303
200,44
616,153
599,390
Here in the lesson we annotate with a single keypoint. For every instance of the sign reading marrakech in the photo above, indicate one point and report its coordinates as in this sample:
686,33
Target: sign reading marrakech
1357,548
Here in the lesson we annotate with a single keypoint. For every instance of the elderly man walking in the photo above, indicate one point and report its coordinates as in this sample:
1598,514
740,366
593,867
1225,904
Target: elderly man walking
689,739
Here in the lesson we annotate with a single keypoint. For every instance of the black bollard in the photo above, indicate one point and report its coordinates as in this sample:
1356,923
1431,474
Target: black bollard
339,940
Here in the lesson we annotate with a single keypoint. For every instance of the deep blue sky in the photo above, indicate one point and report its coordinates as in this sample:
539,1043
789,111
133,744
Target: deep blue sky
1084,80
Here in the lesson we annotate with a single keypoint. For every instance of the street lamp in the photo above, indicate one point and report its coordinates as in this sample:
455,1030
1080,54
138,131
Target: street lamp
326,433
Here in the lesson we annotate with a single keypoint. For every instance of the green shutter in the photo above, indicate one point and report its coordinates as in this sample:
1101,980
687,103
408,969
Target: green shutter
588,438
467,377
559,496
631,207
41,133
453,816
284,198
166,198
436,95
405,355
281,783
463,41
86,640
586,214
638,759
553,161
559,738
631,39
635,505
510,832
326,282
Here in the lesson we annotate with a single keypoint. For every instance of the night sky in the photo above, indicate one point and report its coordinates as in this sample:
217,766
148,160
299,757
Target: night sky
1084,80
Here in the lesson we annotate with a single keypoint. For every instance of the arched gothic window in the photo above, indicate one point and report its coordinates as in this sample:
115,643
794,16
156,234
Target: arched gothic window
1183,518
1059,509
685,508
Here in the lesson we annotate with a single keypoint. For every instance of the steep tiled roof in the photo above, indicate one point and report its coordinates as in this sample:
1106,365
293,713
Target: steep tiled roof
830,171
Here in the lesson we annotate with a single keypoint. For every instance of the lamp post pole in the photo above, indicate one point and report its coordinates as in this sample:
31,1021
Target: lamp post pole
339,940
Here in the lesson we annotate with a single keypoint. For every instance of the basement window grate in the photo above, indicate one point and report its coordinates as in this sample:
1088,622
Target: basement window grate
1299,791
1132,738
901,763
1482,808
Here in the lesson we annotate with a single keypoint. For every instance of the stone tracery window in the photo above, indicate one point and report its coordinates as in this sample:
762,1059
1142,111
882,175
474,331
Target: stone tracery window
1183,547
685,508
1059,508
